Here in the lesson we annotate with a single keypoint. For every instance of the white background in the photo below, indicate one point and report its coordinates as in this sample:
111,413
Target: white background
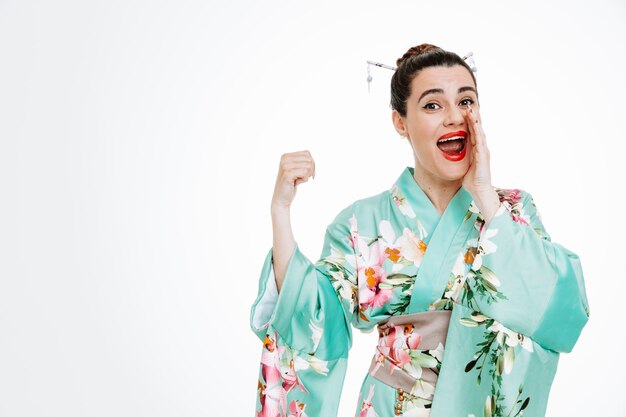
139,144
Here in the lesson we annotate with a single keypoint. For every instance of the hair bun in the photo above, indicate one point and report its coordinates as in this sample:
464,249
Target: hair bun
417,50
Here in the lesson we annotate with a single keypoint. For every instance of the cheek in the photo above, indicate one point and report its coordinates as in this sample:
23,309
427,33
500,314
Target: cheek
424,133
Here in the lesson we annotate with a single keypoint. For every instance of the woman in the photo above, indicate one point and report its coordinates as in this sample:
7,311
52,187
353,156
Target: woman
472,300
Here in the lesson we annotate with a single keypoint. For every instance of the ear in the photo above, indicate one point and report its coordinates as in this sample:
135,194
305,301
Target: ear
399,123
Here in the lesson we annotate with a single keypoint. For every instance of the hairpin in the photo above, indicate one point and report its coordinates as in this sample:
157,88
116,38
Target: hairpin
469,60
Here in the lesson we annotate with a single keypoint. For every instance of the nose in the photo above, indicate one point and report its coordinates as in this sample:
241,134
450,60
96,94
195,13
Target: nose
454,116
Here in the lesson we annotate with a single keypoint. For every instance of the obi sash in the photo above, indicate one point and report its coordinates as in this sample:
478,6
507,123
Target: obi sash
405,341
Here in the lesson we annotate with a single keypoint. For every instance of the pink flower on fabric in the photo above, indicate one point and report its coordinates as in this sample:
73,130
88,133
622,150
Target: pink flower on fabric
291,379
518,218
296,409
367,408
269,360
368,259
510,195
279,377
273,400
405,341
272,394
398,343
370,273
511,200
370,294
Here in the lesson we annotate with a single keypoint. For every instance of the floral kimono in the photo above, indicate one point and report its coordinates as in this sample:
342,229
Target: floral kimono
471,318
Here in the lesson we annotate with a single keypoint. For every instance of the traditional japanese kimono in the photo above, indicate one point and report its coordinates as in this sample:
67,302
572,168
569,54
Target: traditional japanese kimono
471,318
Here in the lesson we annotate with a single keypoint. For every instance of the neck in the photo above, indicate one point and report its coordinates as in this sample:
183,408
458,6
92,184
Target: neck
438,190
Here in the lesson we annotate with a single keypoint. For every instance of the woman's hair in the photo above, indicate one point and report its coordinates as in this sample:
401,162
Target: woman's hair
411,63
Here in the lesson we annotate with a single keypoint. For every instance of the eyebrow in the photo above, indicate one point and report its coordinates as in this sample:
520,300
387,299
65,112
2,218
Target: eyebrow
440,91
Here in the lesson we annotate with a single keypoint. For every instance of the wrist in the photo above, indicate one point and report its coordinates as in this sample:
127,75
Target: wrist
488,203
278,210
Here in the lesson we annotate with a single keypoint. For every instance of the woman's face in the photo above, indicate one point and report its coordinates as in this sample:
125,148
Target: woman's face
435,110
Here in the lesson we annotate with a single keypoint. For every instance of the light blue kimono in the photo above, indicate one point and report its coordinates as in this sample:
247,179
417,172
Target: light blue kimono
516,299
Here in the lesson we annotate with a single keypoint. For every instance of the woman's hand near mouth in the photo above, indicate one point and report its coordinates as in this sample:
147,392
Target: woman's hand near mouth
477,180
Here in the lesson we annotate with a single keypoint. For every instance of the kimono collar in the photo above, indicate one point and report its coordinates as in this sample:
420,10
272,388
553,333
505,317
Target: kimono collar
410,193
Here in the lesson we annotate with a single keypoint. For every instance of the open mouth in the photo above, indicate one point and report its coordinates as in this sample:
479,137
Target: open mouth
453,145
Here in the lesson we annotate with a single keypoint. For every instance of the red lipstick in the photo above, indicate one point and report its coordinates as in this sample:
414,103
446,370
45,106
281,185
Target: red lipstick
453,134
455,157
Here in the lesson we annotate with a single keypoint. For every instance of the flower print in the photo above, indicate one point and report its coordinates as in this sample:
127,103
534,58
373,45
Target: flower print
269,360
374,286
363,249
411,247
511,196
506,363
272,393
407,337
401,202
273,399
393,254
296,409
460,265
279,377
480,279
488,405
336,265
405,250
483,246
497,354
415,406
367,408
437,353
388,237
302,362
400,344
316,334
520,216
371,294
370,274
336,257
511,199
423,389
397,343
510,337
495,403
288,372
470,255
346,288
457,279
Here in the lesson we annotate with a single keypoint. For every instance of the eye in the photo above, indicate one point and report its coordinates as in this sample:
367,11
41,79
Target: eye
466,102
432,106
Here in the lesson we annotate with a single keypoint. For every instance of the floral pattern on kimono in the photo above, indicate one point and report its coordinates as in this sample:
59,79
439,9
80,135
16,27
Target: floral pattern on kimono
516,299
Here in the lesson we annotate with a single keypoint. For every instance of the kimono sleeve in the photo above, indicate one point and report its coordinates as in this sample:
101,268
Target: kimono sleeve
530,284
305,328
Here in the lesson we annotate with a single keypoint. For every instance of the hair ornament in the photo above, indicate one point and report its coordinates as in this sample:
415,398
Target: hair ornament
468,58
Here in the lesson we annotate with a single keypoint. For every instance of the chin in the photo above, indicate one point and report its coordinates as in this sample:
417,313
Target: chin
455,174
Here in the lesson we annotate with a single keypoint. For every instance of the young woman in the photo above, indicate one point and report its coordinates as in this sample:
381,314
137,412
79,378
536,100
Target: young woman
472,300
